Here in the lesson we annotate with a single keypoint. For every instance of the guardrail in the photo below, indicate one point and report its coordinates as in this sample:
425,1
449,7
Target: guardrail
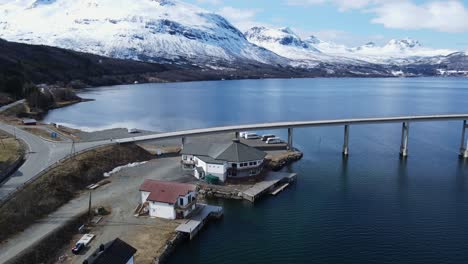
8,197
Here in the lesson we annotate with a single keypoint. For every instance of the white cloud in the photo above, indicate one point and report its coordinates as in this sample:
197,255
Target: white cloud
211,2
343,5
444,16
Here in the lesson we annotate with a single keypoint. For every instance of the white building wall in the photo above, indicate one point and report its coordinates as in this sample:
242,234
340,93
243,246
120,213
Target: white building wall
218,170
162,210
186,201
185,198
130,261
144,196
187,157
201,163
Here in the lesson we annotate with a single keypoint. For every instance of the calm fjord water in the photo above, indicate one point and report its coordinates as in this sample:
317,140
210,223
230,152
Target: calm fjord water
371,208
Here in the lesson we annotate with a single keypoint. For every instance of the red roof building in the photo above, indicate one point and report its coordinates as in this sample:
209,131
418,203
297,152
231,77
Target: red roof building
168,199
166,192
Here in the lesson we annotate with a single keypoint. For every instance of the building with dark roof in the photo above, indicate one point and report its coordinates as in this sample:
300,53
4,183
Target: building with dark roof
113,252
223,160
168,200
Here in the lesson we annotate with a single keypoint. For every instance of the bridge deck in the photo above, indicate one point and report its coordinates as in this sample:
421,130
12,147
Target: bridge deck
279,125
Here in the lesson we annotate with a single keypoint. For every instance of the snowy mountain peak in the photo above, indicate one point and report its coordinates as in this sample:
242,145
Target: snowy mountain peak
404,43
164,2
287,30
313,40
282,36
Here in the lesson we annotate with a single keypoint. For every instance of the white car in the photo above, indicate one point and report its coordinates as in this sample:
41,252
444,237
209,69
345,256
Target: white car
275,140
267,136
242,134
251,136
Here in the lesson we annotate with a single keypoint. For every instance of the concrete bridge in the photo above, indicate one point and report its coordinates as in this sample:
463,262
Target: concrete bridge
346,123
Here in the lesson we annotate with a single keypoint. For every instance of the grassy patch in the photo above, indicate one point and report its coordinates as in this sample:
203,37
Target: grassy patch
41,132
10,151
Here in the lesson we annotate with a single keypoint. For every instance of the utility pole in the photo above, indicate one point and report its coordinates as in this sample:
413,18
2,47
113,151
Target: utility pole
72,151
89,207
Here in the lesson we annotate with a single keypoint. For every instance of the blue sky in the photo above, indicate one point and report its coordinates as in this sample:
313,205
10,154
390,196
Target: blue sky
435,23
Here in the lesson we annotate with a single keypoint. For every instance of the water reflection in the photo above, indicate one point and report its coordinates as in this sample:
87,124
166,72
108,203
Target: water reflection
460,175
344,174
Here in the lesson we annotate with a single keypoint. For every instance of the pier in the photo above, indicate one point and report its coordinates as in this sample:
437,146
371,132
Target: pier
196,222
271,181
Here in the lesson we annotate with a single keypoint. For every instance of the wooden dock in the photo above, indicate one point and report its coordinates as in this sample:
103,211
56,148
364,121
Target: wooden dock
282,187
271,181
196,222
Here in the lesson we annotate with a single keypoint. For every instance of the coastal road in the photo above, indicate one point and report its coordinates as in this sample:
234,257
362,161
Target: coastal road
40,154
6,107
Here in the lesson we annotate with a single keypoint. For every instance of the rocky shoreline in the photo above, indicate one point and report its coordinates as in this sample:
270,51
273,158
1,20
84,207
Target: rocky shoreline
276,163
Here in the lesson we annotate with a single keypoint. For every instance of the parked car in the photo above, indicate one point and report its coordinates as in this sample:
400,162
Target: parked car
82,243
242,134
267,136
275,140
251,136
132,130
78,248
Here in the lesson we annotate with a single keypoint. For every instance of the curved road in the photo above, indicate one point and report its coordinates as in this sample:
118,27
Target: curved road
40,155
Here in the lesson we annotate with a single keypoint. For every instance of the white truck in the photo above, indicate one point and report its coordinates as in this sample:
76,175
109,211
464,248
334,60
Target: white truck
275,140
251,136
82,243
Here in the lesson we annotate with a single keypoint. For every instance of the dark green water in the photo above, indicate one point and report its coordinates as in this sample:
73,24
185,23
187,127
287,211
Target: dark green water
371,208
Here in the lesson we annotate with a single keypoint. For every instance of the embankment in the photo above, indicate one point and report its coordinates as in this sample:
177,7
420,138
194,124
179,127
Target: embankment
277,162
11,154
61,184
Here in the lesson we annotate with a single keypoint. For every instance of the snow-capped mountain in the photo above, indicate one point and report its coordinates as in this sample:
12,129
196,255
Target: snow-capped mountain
288,44
171,31
399,49
149,30
305,53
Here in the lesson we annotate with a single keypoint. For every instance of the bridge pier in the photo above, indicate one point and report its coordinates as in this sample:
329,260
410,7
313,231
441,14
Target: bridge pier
464,144
290,139
183,142
346,141
404,139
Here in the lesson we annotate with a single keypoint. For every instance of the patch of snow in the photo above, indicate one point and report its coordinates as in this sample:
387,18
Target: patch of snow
118,169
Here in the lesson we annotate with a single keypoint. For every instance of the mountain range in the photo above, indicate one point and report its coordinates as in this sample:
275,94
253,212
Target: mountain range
177,33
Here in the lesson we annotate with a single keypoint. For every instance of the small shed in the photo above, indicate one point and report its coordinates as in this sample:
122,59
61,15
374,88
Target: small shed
29,122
